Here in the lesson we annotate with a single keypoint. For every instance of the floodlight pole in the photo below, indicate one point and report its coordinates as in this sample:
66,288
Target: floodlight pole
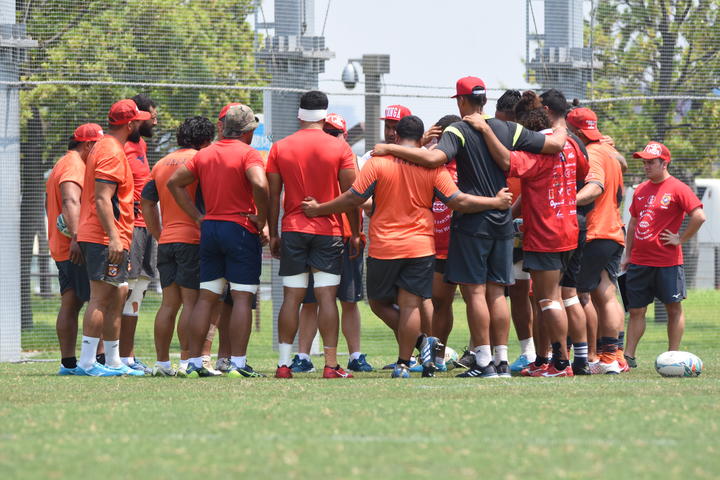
374,67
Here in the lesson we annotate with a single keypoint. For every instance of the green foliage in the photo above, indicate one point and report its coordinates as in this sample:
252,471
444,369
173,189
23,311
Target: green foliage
150,41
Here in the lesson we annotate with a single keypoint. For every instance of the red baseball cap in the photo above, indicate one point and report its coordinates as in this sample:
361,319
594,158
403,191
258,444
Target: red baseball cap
654,150
585,120
395,112
336,121
88,132
469,86
225,109
125,111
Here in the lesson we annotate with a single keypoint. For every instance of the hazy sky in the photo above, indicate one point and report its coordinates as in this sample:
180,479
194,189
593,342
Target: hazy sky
429,42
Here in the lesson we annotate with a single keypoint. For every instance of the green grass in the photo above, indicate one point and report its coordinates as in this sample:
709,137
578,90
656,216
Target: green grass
638,425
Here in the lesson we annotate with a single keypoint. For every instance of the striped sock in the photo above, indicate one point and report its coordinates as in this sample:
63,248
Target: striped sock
580,351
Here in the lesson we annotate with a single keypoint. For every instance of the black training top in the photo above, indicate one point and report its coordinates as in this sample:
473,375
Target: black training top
478,174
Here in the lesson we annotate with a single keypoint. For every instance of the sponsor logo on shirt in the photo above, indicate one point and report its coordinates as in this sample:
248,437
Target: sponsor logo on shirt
666,199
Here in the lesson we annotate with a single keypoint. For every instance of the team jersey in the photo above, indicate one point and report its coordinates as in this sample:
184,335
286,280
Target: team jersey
443,217
308,161
70,168
136,153
659,206
401,225
604,220
221,173
478,174
177,226
575,147
107,163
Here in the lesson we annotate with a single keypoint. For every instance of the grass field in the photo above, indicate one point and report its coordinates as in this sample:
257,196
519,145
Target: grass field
638,425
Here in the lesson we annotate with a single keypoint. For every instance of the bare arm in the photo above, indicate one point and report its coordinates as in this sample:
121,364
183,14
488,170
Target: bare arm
517,207
346,177
554,143
697,218
629,241
588,194
275,185
177,183
70,193
434,158
152,217
466,203
103,204
621,160
261,194
342,203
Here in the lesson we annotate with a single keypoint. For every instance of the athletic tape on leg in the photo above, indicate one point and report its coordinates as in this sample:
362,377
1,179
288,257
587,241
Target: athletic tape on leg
324,279
216,286
241,287
296,281
137,293
553,305
569,302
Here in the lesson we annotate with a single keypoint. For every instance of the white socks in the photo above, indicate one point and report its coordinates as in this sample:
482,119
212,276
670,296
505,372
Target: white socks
482,355
239,362
129,361
196,361
285,351
527,348
303,356
500,354
163,364
355,356
87,352
112,353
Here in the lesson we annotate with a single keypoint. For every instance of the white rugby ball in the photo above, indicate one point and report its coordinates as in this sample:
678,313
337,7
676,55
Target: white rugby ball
451,356
678,364
62,226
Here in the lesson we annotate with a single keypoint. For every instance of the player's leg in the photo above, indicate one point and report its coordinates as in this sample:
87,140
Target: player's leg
350,292
165,327
75,291
591,322
640,289
478,317
521,311
408,330
670,287
635,331
499,276
546,287
610,322
577,330
443,296
223,363
240,329
188,297
307,330
676,324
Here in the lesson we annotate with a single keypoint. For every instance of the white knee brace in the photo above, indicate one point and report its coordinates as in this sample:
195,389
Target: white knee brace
216,286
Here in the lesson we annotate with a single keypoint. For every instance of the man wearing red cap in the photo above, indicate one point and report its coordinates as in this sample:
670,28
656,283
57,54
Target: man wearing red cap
393,114
480,253
104,235
653,254
62,203
143,250
604,238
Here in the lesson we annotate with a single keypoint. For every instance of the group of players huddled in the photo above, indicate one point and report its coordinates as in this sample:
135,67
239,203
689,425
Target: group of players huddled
525,205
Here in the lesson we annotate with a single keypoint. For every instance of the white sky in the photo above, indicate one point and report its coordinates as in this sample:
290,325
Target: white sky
429,42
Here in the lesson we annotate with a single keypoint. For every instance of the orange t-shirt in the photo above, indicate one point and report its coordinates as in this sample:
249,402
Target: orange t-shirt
107,163
604,220
70,168
515,186
308,161
177,226
136,154
402,223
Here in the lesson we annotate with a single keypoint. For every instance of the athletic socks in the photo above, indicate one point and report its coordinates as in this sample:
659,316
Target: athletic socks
557,362
355,356
284,351
608,345
69,362
439,360
163,364
540,361
501,354
112,353
129,361
402,361
239,362
621,340
419,341
580,353
87,352
184,364
303,356
100,359
195,362
483,355
527,348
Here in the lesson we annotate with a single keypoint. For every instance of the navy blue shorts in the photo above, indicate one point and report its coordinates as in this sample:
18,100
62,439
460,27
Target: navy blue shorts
476,260
643,284
351,279
599,255
569,278
74,277
546,261
230,251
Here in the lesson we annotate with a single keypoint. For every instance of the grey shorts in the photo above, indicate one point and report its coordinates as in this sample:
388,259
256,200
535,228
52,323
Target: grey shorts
643,284
143,254
179,263
98,268
414,275
476,260
302,251
73,277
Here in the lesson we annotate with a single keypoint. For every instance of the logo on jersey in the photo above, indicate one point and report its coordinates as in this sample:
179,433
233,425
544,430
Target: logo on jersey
665,201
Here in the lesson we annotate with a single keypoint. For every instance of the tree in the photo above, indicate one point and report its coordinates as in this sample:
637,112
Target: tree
149,41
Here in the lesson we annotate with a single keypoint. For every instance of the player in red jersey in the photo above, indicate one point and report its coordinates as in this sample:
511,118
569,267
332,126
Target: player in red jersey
653,255
549,221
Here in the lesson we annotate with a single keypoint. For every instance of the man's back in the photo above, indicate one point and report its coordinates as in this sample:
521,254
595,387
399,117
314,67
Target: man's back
70,168
308,161
604,221
402,222
221,172
178,227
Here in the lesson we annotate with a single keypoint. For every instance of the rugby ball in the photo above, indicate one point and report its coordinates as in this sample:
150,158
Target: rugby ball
62,226
678,364
451,356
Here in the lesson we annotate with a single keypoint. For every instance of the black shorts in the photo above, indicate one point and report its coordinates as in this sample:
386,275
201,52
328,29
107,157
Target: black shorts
98,268
73,277
546,261
643,284
414,275
569,278
598,255
440,264
143,255
179,263
476,260
351,279
302,251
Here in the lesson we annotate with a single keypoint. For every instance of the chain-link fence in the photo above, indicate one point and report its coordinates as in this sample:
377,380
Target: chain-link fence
648,68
